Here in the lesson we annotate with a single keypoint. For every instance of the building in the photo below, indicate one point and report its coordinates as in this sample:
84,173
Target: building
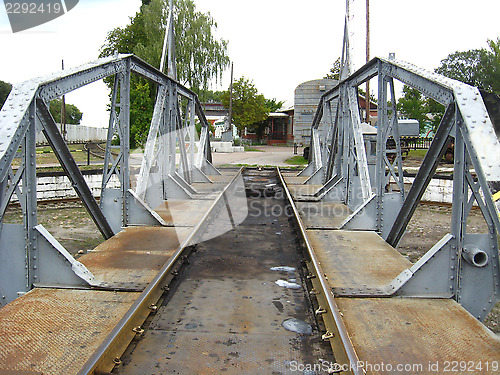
214,112
307,97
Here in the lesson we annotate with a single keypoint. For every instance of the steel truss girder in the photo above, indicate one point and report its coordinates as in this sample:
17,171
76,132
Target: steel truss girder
29,255
462,266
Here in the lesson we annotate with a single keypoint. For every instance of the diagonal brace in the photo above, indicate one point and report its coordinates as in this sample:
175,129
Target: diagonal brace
71,168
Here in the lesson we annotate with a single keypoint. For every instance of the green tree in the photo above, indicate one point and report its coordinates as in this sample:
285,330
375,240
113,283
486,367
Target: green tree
412,105
200,57
416,106
141,113
274,105
5,89
73,114
335,70
208,96
476,67
467,67
249,107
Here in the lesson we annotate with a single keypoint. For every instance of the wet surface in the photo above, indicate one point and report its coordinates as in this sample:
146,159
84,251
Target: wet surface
228,315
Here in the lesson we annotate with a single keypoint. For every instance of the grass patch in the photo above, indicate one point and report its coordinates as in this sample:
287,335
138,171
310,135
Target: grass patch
248,148
297,160
417,154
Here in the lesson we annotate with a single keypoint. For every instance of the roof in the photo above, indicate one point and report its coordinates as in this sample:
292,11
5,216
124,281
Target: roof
278,115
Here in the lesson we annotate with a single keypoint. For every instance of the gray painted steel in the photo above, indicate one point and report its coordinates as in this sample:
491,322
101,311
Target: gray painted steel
461,266
30,255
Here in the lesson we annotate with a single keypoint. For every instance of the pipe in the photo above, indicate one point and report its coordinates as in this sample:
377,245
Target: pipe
475,256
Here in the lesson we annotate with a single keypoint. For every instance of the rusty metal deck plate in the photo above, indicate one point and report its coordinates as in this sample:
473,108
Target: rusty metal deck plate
429,336
356,260
300,191
54,331
294,179
133,257
322,215
223,178
183,212
208,188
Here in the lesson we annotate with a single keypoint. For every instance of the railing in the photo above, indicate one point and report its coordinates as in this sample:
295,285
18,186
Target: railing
416,143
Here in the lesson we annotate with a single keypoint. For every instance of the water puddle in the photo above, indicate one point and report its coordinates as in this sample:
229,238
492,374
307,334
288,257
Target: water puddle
278,305
287,284
297,326
283,268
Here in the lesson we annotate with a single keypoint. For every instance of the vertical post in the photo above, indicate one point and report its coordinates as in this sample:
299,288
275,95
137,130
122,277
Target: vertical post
124,120
460,196
367,97
63,112
29,190
380,176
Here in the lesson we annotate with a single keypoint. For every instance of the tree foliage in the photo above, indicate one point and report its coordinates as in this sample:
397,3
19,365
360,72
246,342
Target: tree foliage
467,66
141,113
476,67
335,70
249,107
73,114
209,96
416,106
274,105
200,56
5,88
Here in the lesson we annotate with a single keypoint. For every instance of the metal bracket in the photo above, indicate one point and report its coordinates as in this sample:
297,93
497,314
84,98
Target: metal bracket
57,266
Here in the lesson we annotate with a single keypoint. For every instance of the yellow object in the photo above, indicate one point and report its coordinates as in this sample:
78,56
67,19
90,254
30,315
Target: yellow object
496,196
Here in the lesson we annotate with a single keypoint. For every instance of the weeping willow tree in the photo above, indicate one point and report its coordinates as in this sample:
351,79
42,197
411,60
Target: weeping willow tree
200,56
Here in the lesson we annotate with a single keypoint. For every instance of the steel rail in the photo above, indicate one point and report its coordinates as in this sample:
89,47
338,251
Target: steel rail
349,350
144,300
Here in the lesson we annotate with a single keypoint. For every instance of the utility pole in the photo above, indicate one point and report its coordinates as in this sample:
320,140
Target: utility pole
230,116
63,111
367,97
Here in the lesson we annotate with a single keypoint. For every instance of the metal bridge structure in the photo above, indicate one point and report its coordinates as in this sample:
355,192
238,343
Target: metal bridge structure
128,307
369,179
34,257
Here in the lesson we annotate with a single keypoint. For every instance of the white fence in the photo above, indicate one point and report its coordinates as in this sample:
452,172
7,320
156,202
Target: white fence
78,134
59,187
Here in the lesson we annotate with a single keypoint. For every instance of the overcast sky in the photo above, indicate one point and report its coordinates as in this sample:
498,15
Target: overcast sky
276,43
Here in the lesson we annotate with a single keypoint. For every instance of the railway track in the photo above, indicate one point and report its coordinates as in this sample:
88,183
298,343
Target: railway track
244,280
240,304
